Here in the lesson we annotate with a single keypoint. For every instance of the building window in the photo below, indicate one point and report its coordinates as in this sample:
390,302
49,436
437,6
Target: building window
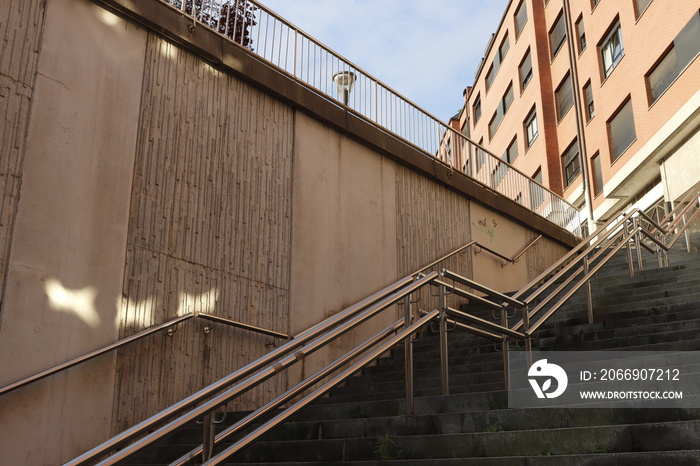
564,97
503,49
621,130
531,127
612,50
512,151
525,70
501,110
588,96
476,109
571,163
597,174
581,35
641,6
536,191
557,35
497,60
491,75
520,18
594,3
685,47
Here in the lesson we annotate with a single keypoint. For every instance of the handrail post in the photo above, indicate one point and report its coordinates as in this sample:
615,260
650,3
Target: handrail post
444,369
408,357
659,250
626,239
506,359
637,243
207,436
687,235
589,295
528,337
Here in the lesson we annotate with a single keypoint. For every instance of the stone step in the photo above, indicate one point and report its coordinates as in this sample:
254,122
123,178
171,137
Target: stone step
662,436
675,458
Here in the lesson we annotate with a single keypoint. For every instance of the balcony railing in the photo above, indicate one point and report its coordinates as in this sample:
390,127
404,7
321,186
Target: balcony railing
293,52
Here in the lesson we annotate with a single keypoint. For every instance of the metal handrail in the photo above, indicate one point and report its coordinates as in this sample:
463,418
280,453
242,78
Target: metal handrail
291,51
304,402
234,323
601,247
619,231
268,365
94,354
256,415
463,249
133,338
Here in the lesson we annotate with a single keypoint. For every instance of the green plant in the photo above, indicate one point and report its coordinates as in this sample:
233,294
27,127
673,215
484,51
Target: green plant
356,412
386,449
495,428
545,450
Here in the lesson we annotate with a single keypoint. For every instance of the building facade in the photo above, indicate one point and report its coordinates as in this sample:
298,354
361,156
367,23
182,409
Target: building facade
598,100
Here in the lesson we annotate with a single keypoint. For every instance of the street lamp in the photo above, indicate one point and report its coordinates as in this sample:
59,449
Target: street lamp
345,80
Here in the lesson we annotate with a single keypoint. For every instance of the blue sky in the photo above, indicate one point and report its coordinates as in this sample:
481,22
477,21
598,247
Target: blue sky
426,50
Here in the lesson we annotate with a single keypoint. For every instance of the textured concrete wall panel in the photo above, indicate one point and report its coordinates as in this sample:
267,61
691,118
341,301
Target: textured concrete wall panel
20,31
209,229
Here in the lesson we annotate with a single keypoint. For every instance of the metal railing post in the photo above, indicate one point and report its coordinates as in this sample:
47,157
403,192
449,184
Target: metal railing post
687,235
589,293
207,436
444,369
528,338
408,357
637,243
506,359
626,239
659,259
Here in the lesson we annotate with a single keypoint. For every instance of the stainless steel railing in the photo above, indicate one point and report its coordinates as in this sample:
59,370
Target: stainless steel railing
559,282
168,326
310,63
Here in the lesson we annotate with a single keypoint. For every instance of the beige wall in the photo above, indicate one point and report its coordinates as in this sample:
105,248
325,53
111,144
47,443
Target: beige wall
209,230
67,259
154,184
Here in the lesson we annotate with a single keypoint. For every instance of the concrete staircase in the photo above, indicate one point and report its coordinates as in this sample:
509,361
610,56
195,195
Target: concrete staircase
362,422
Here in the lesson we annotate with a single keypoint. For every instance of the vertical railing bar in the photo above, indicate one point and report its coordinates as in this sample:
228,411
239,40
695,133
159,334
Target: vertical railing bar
625,238
408,357
208,436
637,243
444,358
588,291
506,354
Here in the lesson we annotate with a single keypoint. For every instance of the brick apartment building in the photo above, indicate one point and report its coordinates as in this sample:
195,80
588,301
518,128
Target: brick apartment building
597,100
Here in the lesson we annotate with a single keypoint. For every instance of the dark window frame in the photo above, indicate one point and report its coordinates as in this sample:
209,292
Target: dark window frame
560,27
619,146
531,117
561,111
615,55
522,7
571,163
589,101
524,81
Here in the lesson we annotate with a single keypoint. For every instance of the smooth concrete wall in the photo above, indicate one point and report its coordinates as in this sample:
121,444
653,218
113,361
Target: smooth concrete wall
64,280
154,184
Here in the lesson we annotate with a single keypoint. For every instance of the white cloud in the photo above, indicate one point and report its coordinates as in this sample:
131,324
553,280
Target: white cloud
427,51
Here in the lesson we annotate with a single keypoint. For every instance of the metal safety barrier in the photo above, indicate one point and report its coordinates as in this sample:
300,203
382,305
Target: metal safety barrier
291,51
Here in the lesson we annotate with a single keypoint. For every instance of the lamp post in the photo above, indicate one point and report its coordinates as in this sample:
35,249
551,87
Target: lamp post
345,80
